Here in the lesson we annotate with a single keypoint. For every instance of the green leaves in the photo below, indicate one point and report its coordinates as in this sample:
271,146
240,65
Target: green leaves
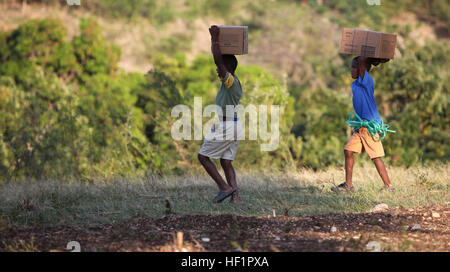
416,89
66,110
92,52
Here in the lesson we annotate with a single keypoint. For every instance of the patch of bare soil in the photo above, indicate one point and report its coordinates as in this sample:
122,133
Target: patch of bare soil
398,229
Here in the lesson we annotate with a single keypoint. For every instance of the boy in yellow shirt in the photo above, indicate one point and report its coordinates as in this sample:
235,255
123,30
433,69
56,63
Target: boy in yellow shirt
222,142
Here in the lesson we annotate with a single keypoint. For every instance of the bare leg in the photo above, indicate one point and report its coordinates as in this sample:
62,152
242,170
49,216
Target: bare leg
349,161
212,171
230,174
379,164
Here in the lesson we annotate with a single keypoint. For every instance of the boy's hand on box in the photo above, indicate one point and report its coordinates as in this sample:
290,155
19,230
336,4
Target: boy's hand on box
214,31
376,61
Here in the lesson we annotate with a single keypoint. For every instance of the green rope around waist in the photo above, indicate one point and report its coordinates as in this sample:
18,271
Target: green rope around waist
355,122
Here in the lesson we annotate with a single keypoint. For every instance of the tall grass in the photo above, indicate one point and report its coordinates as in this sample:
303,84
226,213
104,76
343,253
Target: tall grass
305,192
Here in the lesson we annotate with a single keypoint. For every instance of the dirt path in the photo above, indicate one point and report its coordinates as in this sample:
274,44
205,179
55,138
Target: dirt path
393,230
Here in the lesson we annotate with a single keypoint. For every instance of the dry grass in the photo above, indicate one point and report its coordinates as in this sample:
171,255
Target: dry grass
304,192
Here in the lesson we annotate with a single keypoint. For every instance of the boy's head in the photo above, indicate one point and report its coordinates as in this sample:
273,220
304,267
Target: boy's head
230,63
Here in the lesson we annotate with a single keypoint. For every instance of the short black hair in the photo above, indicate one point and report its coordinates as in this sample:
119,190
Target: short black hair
230,61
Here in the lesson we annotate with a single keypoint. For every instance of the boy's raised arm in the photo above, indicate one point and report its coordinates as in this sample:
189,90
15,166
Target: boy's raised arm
376,61
364,64
215,49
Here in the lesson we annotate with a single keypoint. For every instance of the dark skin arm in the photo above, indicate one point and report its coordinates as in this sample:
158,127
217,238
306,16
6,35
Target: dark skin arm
365,63
376,61
215,49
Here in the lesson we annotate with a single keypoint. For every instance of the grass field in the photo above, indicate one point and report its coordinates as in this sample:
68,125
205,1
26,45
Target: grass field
51,202
281,212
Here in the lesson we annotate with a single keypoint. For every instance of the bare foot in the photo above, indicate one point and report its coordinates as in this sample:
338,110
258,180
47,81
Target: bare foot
235,199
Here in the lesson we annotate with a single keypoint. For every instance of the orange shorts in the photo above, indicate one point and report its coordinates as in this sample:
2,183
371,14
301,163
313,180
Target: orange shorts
363,140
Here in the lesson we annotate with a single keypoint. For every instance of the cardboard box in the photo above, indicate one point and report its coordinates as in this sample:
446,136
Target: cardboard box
233,40
368,43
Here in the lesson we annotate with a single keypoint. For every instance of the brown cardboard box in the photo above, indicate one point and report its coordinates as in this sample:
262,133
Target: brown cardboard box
368,43
233,40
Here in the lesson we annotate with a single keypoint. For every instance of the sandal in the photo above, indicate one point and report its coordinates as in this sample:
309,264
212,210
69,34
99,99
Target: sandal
342,187
222,195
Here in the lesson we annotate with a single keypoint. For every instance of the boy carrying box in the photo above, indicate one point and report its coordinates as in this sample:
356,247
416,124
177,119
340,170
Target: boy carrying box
222,142
367,124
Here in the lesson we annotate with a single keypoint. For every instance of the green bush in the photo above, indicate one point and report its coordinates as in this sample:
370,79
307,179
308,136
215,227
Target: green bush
413,94
67,110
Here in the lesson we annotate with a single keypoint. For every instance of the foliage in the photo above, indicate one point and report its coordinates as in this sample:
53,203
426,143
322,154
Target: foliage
77,120
414,94
67,110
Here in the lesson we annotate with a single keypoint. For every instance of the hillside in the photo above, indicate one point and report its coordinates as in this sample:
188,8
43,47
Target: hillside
274,43
116,69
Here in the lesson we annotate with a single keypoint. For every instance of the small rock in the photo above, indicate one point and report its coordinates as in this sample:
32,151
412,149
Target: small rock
435,215
380,208
333,229
206,239
277,238
373,246
415,227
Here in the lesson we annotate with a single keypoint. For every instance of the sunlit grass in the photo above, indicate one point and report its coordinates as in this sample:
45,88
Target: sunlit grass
304,192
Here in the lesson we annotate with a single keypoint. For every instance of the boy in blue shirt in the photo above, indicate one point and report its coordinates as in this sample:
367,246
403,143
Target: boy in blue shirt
366,108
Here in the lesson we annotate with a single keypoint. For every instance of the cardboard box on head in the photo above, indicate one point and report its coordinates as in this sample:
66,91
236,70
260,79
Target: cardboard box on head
368,43
233,40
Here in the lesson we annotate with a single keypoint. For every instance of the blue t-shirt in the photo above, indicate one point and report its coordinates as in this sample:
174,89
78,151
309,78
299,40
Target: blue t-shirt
364,99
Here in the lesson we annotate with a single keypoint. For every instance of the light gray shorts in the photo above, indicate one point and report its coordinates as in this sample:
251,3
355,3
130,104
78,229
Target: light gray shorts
222,141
